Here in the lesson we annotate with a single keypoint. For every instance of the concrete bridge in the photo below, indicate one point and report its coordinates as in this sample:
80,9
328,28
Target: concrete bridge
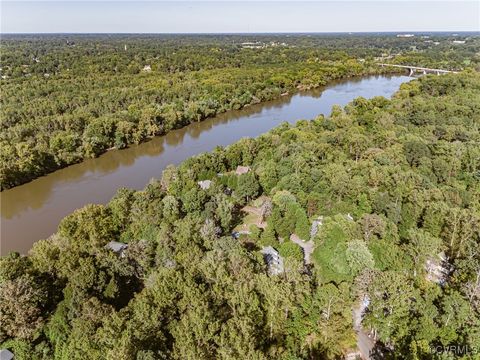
414,69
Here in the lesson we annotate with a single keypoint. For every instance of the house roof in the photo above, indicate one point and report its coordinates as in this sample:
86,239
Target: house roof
315,226
273,259
242,170
205,184
6,354
116,247
269,250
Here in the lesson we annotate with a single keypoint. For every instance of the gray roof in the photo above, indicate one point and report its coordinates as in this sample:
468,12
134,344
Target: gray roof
205,184
242,170
6,354
315,226
116,247
273,259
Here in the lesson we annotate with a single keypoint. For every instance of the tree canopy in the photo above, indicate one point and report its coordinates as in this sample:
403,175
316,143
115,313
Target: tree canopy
394,186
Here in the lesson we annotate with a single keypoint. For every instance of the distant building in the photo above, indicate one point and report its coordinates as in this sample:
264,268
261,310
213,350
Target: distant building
205,184
242,170
273,260
147,68
405,35
6,354
459,41
117,247
252,45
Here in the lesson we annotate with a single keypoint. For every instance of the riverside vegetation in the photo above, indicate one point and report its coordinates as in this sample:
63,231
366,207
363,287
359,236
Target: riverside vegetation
397,182
66,98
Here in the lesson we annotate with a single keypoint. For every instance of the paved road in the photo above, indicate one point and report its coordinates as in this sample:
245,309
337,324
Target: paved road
307,247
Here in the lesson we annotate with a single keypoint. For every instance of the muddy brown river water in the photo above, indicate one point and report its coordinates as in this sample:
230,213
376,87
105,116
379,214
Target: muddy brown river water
33,211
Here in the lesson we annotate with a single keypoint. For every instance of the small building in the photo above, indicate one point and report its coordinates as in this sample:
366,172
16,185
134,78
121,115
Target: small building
205,184
6,354
242,170
459,41
117,247
273,260
147,68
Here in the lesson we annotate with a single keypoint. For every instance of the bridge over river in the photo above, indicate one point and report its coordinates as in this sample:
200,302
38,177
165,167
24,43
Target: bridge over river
424,70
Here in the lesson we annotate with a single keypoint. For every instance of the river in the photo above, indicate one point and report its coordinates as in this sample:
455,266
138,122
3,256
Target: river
33,211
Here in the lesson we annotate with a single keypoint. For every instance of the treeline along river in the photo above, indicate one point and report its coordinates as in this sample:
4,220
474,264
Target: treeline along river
33,211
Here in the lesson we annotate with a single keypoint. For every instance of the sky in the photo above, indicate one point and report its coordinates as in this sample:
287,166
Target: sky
123,16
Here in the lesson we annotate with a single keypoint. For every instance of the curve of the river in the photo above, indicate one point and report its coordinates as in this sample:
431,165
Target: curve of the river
32,211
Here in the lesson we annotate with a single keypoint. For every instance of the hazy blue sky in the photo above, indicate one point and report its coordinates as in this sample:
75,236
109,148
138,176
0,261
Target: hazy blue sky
234,16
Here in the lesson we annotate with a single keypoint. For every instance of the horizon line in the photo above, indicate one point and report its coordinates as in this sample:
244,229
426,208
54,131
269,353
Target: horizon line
246,33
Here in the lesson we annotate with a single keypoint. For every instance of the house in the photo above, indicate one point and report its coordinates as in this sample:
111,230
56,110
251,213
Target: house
147,68
273,260
205,184
459,41
315,226
242,170
117,247
438,269
6,354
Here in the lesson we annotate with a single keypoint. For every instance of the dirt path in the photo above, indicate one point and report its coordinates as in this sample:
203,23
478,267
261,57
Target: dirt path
364,343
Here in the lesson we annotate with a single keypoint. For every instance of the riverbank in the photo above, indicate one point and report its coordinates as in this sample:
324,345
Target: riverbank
77,142
32,211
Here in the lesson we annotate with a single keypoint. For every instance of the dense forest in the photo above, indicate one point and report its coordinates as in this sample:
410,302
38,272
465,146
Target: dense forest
66,98
383,196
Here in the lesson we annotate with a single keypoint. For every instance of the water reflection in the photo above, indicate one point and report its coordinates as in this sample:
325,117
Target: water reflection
32,211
